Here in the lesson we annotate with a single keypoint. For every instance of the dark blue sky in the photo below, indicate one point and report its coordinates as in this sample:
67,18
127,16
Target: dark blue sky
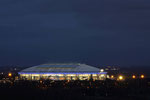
98,32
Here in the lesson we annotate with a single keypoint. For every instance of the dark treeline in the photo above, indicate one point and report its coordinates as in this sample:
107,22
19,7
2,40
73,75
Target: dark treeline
137,89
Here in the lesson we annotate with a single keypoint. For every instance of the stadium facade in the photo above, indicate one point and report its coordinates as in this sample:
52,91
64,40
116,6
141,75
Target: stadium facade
63,72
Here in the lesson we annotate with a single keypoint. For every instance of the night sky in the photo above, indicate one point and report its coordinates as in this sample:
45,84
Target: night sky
96,32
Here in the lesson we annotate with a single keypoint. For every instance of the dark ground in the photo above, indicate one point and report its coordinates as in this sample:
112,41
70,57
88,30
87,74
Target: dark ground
138,89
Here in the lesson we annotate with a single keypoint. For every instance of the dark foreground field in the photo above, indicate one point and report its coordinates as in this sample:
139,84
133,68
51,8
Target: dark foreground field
138,89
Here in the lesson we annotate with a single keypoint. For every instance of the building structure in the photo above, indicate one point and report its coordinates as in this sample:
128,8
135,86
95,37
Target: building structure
69,71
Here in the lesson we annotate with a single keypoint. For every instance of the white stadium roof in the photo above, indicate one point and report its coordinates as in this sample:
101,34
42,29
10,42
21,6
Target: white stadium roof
61,68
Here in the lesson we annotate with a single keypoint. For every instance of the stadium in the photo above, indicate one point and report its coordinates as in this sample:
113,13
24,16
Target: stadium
72,71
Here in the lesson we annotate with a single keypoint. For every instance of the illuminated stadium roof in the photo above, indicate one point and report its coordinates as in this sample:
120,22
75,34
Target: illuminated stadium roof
61,68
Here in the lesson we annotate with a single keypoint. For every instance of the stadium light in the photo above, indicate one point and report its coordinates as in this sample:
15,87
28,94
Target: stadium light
102,70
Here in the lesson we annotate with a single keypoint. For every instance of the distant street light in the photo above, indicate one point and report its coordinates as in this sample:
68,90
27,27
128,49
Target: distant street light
9,74
120,78
112,76
133,76
142,76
